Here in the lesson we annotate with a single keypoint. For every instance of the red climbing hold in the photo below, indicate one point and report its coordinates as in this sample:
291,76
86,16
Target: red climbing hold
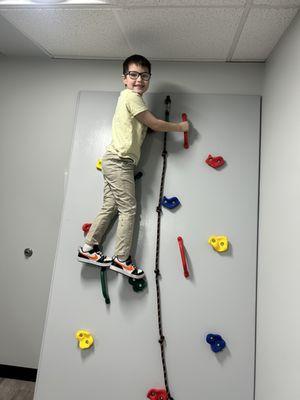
215,162
186,138
157,394
86,227
183,259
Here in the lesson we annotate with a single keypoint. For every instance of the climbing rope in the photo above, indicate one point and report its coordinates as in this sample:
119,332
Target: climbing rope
157,271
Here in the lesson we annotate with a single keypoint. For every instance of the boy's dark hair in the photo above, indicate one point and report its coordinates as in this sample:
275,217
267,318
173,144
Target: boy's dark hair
136,59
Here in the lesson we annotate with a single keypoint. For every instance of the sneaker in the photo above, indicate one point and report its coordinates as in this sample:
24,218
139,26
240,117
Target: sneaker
94,257
126,268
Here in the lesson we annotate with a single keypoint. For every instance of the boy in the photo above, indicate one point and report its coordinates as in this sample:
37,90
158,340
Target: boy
129,127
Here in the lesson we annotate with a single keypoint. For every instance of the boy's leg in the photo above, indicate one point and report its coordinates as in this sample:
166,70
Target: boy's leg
119,173
120,176
90,252
103,219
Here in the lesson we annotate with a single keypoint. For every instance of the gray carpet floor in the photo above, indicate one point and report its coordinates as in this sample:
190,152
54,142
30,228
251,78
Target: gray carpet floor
12,389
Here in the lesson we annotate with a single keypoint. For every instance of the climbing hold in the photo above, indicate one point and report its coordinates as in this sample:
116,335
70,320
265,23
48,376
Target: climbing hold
157,394
215,162
137,284
219,243
170,203
86,227
186,137
217,343
99,165
183,258
85,339
104,284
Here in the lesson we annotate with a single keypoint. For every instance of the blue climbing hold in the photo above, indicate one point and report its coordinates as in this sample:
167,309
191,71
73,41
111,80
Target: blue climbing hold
212,337
170,203
217,343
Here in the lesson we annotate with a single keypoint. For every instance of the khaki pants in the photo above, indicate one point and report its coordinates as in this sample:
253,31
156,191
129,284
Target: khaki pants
118,198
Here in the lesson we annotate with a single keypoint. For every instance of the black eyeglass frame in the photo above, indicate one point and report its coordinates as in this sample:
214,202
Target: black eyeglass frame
139,74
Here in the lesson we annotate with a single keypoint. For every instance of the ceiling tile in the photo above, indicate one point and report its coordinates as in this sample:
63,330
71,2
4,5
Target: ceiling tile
261,32
174,34
183,3
71,33
275,3
13,43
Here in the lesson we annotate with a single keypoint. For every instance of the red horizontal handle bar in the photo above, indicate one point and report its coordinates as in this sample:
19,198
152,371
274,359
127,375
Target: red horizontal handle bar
186,138
183,259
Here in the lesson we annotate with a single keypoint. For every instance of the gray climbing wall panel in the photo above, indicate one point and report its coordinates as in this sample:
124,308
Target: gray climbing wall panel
218,297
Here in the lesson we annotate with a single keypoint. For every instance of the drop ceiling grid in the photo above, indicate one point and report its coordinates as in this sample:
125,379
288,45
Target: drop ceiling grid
175,34
153,3
261,32
72,33
200,30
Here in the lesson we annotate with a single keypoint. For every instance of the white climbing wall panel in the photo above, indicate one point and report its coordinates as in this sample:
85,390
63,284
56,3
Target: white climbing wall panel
219,296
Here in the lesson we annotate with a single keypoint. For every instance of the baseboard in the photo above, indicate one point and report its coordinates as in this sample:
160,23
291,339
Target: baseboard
12,372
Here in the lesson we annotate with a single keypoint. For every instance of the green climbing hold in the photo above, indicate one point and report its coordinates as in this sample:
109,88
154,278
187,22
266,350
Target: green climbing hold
104,285
137,284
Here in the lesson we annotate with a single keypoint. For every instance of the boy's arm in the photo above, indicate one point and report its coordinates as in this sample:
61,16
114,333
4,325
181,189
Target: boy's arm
158,125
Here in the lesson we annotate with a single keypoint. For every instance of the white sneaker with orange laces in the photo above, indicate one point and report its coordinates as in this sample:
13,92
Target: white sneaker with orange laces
94,257
126,268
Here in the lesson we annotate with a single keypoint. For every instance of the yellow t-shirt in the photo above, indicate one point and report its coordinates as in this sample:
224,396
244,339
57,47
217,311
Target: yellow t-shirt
128,133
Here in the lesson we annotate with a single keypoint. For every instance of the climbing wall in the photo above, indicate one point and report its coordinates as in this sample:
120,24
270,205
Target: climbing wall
219,295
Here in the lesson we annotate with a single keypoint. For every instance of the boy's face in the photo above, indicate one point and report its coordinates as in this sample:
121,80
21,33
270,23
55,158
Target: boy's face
138,85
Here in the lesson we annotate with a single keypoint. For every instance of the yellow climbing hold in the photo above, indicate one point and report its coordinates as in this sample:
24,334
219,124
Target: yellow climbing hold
85,339
219,243
99,165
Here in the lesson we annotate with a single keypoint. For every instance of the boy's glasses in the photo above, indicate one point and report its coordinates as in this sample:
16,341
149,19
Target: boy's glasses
134,75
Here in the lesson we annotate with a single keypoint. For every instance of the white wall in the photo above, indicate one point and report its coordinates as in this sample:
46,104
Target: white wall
220,294
37,108
278,349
